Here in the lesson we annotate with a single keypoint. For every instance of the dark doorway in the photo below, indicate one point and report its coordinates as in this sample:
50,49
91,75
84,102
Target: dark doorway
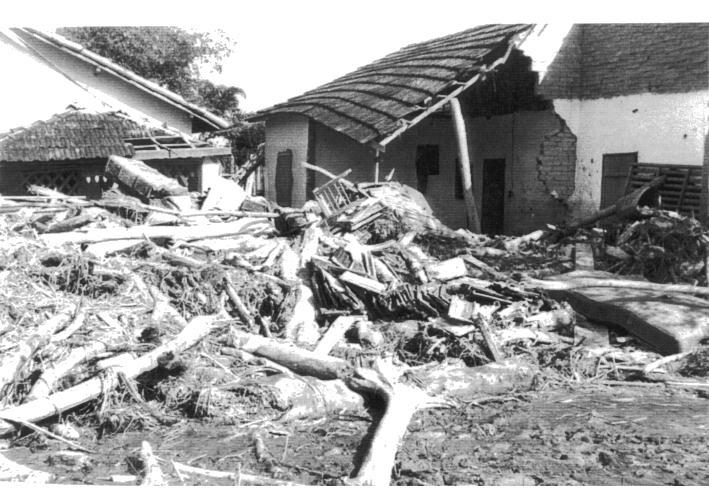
426,164
493,207
615,176
284,178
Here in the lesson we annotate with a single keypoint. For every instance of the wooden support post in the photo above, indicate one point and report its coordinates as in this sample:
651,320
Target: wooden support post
377,160
464,161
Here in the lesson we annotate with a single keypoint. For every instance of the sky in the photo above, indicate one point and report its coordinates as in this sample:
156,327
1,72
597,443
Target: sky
284,48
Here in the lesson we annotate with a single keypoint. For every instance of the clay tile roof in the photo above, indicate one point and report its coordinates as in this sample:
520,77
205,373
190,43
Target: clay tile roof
74,134
371,102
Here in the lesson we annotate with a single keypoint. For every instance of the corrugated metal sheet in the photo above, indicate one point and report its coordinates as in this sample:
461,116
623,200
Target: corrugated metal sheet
369,103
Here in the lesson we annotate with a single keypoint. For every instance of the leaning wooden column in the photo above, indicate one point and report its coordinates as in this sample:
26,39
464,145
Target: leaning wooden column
464,161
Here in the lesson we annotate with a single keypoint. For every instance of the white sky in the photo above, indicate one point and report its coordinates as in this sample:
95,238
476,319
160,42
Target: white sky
287,47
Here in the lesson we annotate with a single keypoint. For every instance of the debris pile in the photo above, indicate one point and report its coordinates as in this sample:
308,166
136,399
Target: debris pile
152,308
663,246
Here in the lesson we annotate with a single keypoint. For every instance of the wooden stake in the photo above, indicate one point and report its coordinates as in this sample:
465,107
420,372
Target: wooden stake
464,162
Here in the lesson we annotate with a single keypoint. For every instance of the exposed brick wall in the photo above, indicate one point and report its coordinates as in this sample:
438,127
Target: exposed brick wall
563,75
609,60
539,152
538,148
556,164
620,59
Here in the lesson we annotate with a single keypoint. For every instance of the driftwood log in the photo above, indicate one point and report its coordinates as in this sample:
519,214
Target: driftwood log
42,408
185,233
12,363
49,379
239,478
626,206
443,385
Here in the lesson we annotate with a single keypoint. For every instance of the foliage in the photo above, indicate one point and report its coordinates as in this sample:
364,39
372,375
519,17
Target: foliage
169,56
172,57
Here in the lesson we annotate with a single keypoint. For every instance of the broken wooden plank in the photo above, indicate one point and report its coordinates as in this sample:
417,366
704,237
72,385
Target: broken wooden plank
185,233
335,333
447,270
465,311
363,282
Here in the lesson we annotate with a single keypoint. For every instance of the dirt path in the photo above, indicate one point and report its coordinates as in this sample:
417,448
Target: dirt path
591,435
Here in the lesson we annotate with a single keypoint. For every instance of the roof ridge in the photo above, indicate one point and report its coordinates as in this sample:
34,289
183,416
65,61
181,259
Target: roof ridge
110,65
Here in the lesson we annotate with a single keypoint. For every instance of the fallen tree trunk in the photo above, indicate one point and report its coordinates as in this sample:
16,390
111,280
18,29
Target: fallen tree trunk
402,402
626,206
254,161
46,383
13,362
302,397
41,408
240,478
137,178
300,361
402,399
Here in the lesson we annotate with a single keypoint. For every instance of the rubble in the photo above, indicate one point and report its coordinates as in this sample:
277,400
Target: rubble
231,310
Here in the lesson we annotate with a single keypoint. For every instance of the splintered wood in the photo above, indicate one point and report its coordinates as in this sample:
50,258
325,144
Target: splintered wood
227,310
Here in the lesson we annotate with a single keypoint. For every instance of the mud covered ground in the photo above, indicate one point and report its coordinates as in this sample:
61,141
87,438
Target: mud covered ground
591,434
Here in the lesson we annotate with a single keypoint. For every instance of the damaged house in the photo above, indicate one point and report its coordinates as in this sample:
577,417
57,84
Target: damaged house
68,153
60,132
555,122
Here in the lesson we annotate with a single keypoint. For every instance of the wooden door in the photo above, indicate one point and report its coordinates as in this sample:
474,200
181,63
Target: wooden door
615,175
284,178
493,197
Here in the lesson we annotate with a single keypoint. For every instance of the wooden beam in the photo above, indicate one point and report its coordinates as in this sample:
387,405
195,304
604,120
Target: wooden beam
460,88
182,153
461,136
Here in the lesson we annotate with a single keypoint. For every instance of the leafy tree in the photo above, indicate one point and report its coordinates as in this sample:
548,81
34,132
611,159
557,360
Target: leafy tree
172,57
169,56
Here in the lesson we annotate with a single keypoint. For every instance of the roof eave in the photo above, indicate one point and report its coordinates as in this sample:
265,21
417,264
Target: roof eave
380,142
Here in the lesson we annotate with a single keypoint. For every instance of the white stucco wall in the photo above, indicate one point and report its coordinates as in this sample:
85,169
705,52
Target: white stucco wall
516,137
662,128
36,90
210,173
285,131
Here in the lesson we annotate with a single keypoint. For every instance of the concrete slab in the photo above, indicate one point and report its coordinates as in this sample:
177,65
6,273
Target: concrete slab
671,323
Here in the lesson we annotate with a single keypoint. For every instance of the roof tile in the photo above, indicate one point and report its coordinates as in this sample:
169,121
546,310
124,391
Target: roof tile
366,103
73,134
